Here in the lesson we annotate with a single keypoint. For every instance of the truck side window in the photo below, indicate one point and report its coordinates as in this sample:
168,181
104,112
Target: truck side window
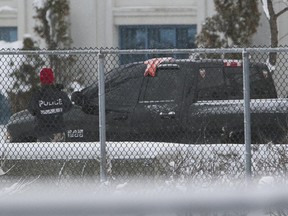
211,85
163,87
234,82
124,89
261,83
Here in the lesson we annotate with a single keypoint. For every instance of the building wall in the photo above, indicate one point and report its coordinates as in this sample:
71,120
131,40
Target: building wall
17,13
94,23
283,26
8,13
104,17
83,23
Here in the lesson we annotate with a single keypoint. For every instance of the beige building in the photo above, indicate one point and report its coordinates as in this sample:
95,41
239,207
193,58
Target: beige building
102,23
106,23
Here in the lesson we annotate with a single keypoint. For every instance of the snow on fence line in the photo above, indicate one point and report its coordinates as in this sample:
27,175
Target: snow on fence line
134,150
115,150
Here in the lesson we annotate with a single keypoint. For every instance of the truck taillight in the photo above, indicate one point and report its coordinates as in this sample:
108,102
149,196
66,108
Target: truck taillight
232,63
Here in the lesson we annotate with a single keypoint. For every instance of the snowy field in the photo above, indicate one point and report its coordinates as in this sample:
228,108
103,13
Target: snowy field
91,150
169,197
201,161
115,150
273,154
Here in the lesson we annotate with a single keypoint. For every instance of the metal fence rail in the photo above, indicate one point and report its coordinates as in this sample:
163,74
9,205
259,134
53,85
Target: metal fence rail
199,113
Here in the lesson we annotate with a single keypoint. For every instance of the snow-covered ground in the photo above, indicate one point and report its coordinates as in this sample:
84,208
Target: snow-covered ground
265,157
115,150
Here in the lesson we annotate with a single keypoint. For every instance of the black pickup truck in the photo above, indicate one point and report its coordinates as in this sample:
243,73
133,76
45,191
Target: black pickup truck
183,101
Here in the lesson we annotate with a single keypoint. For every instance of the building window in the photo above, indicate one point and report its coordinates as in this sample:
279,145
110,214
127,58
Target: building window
8,34
155,37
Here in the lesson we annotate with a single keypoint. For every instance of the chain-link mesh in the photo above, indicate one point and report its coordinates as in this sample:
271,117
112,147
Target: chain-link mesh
165,116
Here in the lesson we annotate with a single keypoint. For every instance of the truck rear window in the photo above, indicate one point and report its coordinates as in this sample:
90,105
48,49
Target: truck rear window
226,83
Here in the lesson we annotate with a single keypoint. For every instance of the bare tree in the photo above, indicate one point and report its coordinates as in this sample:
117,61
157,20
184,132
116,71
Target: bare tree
272,17
233,25
53,26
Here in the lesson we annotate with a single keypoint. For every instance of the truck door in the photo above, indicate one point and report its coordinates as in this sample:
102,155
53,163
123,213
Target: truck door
157,115
206,112
122,93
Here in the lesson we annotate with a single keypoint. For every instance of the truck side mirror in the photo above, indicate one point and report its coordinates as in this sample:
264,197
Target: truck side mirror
77,98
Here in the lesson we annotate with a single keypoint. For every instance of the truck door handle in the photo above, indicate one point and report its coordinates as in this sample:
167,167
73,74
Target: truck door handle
169,115
120,117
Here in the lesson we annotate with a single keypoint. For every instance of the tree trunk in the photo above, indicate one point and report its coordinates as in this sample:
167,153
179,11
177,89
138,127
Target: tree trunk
273,31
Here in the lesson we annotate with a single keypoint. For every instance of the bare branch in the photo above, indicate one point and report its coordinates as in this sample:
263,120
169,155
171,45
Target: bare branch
281,12
283,37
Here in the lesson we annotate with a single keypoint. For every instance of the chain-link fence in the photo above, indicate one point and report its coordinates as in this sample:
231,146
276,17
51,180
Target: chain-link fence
178,113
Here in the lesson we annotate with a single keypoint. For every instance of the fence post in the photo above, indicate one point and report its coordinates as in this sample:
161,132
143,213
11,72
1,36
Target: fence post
247,119
102,120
